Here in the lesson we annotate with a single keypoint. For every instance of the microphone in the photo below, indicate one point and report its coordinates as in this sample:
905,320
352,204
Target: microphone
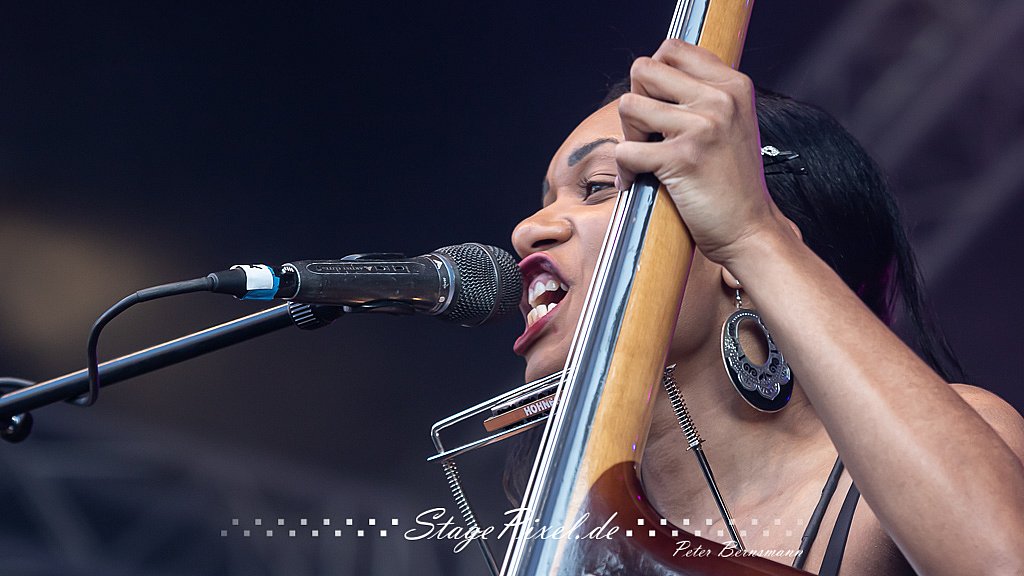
467,284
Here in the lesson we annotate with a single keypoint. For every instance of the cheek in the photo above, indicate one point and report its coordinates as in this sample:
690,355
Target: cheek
592,227
590,233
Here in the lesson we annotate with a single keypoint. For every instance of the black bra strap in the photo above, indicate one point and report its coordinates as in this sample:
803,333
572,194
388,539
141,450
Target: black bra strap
837,542
811,532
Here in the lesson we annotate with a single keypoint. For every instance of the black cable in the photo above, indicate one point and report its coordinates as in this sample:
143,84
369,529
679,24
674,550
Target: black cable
8,384
162,291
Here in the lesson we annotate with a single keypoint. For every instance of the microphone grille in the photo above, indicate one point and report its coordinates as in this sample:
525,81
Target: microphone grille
487,283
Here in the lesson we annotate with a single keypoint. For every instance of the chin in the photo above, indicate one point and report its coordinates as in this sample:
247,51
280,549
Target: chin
539,364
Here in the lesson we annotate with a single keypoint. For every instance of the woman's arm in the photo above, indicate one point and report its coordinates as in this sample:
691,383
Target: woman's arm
941,469
944,482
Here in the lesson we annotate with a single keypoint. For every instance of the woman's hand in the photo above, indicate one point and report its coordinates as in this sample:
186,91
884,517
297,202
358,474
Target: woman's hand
710,157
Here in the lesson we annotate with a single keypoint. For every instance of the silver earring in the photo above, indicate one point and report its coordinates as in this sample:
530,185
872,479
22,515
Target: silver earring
767,387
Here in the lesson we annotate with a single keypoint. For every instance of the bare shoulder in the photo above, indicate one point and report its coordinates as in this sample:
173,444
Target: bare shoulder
1002,417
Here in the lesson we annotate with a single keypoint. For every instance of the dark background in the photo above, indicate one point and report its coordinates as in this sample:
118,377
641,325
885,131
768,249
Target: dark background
145,143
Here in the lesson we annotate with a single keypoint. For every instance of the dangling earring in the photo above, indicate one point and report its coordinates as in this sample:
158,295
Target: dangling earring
767,387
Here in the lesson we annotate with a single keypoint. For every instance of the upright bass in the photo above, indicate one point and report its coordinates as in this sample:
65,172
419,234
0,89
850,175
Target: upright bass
588,464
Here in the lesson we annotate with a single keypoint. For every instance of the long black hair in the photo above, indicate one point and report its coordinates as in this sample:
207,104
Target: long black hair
850,219
836,194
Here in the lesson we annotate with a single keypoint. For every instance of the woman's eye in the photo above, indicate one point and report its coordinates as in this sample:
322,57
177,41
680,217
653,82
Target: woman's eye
592,187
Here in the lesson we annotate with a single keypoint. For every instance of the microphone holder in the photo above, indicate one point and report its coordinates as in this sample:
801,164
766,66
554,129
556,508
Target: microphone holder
16,421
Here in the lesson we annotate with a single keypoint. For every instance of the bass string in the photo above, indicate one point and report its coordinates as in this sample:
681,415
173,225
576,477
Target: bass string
682,26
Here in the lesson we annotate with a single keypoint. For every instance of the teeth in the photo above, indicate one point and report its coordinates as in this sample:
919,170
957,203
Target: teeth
539,312
535,314
536,290
540,287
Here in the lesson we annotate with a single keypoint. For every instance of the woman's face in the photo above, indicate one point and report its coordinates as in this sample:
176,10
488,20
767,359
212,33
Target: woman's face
560,243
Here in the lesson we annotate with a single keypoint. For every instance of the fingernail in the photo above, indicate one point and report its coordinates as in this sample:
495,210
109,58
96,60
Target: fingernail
618,182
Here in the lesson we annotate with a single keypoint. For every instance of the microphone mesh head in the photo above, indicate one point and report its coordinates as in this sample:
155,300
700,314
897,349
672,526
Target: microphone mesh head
487,283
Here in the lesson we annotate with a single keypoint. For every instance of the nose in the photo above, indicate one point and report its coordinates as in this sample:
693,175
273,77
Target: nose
545,229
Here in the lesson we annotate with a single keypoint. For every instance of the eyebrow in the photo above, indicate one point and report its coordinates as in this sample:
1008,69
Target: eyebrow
581,152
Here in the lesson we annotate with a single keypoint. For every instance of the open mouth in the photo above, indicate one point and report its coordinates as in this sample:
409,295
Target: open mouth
544,293
543,290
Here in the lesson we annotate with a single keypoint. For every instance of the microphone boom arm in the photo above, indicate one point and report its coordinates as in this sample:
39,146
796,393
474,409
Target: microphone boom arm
14,405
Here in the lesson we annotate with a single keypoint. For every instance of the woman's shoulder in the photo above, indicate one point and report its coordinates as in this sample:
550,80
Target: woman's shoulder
997,413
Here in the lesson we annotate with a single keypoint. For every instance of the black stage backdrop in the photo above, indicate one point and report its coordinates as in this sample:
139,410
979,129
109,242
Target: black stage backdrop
142,143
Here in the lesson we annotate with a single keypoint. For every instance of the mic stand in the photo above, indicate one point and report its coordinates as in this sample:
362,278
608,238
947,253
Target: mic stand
16,421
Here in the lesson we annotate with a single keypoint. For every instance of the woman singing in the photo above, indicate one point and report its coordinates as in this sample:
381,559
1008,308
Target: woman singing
791,221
